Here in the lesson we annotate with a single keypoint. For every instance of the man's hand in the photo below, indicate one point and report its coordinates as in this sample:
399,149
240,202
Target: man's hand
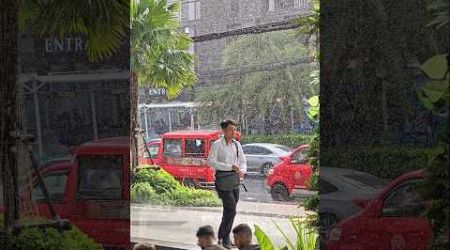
242,175
235,169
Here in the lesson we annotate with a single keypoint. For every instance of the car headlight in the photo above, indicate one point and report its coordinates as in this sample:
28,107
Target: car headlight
335,234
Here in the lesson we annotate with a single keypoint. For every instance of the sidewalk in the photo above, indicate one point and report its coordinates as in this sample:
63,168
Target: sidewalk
176,226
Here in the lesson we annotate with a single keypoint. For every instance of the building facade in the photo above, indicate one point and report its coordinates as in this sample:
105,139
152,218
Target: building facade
204,17
66,99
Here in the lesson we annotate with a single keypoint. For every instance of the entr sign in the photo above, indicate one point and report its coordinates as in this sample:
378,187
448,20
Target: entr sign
68,44
153,92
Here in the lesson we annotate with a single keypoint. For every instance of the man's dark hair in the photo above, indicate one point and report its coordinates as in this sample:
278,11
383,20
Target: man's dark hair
205,231
224,124
145,246
243,230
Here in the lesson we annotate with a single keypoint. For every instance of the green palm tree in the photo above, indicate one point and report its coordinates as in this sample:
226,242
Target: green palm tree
159,56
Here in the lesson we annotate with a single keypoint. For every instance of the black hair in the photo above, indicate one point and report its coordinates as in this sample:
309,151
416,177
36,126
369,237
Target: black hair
243,230
145,246
205,231
224,124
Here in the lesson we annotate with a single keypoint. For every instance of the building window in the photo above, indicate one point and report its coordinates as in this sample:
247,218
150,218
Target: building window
301,4
274,5
271,5
284,4
192,9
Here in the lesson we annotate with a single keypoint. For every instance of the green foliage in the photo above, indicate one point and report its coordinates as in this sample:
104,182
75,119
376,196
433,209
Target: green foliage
309,25
435,96
278,74
306,237
314,108
439,9
157,187
51,239
159,53
383,161
262,238
290,140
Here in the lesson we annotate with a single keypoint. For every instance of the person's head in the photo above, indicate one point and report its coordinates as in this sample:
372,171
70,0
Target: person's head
144,246
229,128
205,236
242,236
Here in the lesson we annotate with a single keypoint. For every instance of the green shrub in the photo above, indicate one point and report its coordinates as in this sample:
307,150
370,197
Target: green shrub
306,237
384,161
157,187
290,140
51,239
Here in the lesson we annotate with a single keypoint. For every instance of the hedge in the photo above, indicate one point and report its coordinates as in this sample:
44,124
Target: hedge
383,161
290,140
157,187
48,239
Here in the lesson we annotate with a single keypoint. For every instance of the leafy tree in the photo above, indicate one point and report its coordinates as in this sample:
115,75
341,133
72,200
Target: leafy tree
274,88
309,27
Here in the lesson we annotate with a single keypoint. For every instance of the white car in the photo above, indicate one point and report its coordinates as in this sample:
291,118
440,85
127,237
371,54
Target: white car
261,157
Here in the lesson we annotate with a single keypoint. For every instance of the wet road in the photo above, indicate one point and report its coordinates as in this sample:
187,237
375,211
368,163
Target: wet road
258,192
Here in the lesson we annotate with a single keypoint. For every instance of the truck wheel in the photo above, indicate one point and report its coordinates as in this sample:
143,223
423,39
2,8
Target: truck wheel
266,168
189,183
279,192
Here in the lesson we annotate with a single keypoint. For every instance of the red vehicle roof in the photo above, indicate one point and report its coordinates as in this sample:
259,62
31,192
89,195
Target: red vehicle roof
194,133
106,145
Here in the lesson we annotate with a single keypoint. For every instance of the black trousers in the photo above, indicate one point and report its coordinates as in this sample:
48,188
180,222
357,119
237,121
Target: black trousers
229,199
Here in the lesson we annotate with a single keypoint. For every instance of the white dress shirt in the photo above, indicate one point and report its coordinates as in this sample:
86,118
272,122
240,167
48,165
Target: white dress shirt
222,156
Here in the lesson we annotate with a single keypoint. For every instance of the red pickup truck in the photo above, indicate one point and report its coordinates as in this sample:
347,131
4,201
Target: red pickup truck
91,190
184,154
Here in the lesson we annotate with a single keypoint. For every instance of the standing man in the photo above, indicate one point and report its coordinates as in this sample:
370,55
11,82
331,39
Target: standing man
227,158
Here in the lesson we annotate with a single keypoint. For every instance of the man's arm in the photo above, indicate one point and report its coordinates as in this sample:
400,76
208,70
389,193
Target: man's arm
213,162
241,159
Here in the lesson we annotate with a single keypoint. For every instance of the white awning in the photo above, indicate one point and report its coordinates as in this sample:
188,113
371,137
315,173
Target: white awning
73,77
168,105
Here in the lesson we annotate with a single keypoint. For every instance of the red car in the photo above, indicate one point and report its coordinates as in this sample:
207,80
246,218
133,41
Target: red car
154,158
290,175
91,190
390,221
183,154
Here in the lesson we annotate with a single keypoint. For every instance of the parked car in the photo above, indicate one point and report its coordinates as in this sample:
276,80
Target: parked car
261,157
337,188
91,190
392,220
291,174
183,154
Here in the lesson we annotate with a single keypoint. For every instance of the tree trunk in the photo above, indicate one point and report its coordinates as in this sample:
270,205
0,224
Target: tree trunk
133,116
8,115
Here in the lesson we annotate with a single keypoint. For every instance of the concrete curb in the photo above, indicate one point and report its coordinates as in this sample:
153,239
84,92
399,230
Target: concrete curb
164,245
206,209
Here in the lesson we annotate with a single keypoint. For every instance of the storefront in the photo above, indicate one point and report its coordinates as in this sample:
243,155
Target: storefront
67,99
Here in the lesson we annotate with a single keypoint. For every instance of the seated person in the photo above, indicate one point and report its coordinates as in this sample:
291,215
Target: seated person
206,239
243,238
